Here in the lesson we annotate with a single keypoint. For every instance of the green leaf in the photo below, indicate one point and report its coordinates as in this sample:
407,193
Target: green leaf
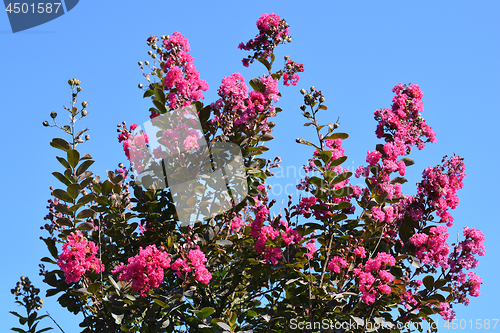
85,157
251,313
148,93
257,84
338,161
31,319
343,192
17,315
408,161
87,198
428,282
73,157
224,242
339,135
60,144
64,221
118,318
74,190
342,177
224,326
47,259
52,292
107,187
86,213
204,313
85,226
62,195
84,166
439,283
160,95
18,329
160,106
325,155
113,282
265,63
61,178
400,180
62,209
160,303
94,287
63,162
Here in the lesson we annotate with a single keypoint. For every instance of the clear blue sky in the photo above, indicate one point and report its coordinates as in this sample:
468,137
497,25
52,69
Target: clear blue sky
354,52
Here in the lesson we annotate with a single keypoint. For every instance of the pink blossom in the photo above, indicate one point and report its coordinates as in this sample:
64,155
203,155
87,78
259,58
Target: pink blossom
360,252
373,157
145,270
78,257
335,263
273,255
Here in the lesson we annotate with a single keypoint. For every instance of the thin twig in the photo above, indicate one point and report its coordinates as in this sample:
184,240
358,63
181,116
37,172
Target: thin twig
55,321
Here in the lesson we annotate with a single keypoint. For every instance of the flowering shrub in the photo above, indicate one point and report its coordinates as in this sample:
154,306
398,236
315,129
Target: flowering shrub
341,252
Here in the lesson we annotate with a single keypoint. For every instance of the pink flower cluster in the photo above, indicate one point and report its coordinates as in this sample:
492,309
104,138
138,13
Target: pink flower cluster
445,311
272,32
463,258
440,185
374,278
238,107
432,249
134,145
281,231
402,126
182,78
463,255
291,69
335,263
198,260
78,257
145,270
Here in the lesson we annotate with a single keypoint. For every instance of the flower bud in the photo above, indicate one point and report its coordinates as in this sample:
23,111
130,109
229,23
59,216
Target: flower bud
303,107
154,56
321,99
140,86
120,165
150,52
302,91
298,140
140,63
45,123
79,89
85,104
336,125
312,88
84,113
287,57
87,137
70,82
154,46
53,114
146,63
162,37
289,39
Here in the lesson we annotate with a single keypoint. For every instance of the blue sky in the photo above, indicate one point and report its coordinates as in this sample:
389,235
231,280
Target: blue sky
354,52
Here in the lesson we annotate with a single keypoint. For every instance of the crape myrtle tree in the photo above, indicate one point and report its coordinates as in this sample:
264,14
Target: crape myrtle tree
120,255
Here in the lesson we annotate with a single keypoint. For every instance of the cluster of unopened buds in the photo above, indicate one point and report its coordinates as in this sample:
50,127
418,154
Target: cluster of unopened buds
29,292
